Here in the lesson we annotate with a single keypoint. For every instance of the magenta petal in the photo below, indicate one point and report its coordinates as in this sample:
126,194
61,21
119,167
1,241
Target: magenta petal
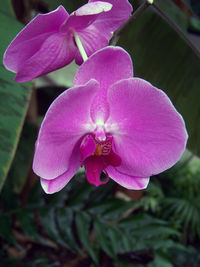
87,147
92,40
94,166
75,23
113,159
127,181
85,15
66,122
55,185
107,66
56,52
28,41
150,135
108,22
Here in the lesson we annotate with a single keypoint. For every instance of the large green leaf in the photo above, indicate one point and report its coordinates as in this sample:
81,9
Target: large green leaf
14,97
69,5
163,58
180,20
83,221
23,157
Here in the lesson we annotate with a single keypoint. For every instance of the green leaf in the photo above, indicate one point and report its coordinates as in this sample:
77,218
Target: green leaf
179,21
70,6
127,241
7,9
115,234
23,158
111,209
164,59
102,238
14,98
81,196
83,225
151,231
65,220
47,217
140,219
26,220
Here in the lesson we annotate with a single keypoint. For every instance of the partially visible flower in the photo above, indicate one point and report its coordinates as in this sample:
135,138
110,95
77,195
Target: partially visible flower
109,122
48,43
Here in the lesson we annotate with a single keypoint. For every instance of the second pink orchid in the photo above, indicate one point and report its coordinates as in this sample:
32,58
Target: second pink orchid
48,42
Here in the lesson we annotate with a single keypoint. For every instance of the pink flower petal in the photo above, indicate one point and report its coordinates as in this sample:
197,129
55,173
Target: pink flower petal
85,15
28,41
108,22
127,181
66,121
149,134
56,184
56,51
93,8
107,66
87,147
113,159
92,40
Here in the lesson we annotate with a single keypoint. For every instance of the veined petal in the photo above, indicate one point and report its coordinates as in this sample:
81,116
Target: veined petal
108,22
107,66
56,51
66,122
56,184
92,40
85,15
28,41
150,135
127,181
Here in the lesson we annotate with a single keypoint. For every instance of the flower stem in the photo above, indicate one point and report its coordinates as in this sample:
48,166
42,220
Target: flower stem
80,47
121,29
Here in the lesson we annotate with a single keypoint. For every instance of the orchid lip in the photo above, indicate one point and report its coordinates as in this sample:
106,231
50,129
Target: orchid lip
96,156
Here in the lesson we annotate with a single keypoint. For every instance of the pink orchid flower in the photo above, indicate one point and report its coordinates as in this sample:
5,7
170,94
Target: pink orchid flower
108,122
49,41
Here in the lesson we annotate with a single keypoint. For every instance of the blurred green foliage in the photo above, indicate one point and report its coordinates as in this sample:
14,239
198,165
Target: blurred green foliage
92,222
178,195
14,97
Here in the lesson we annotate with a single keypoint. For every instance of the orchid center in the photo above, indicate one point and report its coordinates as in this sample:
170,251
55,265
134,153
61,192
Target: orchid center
97,156
104,148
